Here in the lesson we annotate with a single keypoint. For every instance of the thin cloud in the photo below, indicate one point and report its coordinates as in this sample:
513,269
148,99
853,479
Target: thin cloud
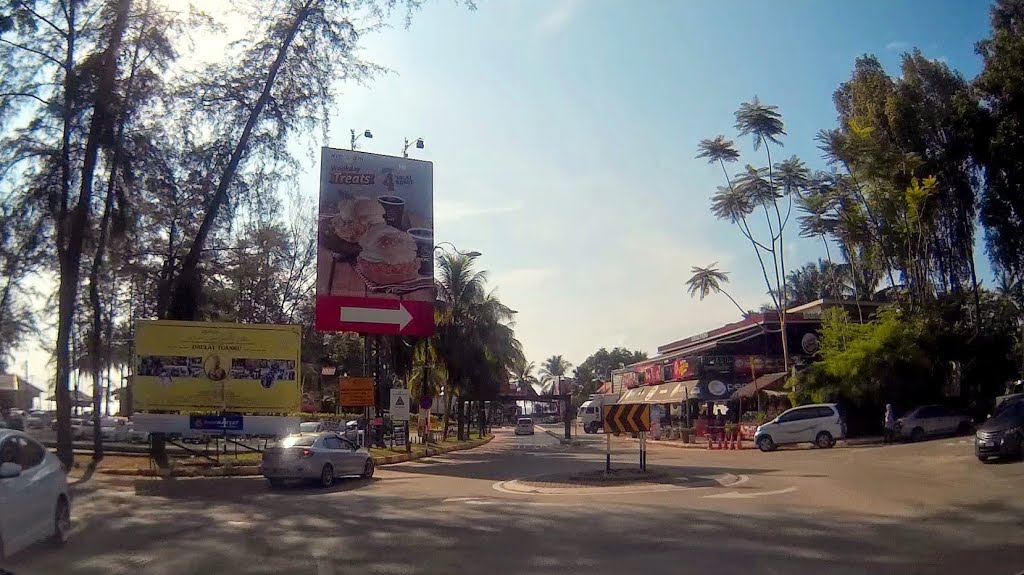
448,211
558,18
897,45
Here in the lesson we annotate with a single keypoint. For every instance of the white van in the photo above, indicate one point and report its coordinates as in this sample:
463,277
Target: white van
820,424
591,412
524,426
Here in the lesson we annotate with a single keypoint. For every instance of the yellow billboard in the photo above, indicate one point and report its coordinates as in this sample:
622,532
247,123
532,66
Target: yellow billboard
183,366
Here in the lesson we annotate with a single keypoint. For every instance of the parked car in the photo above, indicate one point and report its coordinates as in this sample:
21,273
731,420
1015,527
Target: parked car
1002,435
524,426
33,494
36,419
820,424
315,456
13,419
136,436
932,420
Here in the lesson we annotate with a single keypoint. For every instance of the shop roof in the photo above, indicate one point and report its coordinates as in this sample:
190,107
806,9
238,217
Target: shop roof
806,313
11,382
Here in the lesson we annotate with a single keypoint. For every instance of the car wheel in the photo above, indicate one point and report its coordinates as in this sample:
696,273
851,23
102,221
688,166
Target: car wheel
276,483
964,428
327,476
824,440
766,444
917,434
62,521
368,468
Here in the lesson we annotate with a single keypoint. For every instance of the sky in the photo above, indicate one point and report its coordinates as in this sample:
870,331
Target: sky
563,136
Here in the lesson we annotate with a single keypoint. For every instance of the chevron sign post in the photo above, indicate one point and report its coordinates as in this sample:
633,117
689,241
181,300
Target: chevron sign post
634,418
626,418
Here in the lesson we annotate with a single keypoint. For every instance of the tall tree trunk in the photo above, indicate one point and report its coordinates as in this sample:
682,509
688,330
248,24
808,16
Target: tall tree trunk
185,295
71,252
68,283
783,298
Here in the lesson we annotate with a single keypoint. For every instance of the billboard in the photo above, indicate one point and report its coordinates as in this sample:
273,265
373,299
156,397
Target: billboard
356,392
183,366
375,244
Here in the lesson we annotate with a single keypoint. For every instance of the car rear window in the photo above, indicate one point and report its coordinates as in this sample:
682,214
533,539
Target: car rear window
525,420
299,440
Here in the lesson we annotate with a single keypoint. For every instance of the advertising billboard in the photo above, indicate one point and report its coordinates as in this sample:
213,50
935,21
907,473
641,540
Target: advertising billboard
375,244
185,366
356,392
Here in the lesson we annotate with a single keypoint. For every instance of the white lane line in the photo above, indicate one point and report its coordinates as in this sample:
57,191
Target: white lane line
751,495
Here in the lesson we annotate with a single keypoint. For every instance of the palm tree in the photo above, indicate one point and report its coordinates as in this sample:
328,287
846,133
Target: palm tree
816,223
719,149
552,368
764,123
522,372
474,337
709,280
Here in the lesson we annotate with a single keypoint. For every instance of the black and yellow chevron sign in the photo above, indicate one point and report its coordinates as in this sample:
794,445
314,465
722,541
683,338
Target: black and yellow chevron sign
627,418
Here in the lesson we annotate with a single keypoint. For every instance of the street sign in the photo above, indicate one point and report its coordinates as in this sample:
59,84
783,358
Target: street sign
356,392
375,244
631,418
217,422
400,404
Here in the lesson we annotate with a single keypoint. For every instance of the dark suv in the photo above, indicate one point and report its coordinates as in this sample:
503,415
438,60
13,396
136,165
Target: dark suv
1003,434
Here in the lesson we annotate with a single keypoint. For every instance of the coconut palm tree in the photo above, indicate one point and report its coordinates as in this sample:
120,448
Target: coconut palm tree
816,222
474,337
708,280
522,372
551,368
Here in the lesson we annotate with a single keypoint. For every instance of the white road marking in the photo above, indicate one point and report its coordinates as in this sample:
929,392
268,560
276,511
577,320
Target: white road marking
751,495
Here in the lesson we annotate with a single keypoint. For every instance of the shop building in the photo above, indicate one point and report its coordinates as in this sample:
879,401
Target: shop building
741,361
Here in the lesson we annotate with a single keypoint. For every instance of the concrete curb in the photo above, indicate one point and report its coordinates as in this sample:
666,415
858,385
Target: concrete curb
254,470
562,440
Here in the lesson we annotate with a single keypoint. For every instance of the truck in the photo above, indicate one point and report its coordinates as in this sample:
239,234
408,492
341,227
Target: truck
591,411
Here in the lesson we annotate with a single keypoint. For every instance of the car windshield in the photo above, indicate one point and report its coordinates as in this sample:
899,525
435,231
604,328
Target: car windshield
308,426
1011,408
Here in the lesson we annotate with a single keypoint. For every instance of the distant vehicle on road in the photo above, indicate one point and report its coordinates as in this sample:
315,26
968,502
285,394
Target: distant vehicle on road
1003,434
35,419
591,411
315,456
524,426
33,494
932,420
820,424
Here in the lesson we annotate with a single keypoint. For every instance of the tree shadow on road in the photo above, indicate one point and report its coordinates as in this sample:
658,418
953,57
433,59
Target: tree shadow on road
395,534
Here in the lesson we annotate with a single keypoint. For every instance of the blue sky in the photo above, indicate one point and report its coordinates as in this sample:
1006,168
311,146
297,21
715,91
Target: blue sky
563,135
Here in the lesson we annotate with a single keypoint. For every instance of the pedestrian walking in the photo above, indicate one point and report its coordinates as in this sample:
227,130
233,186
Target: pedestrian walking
890,423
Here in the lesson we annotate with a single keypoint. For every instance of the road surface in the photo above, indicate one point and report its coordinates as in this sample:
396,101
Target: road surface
929,507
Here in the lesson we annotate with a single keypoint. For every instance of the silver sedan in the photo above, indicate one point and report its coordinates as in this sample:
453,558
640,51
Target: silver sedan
315,456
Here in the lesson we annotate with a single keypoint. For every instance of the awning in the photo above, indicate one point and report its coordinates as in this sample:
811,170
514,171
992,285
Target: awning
769,382
672,392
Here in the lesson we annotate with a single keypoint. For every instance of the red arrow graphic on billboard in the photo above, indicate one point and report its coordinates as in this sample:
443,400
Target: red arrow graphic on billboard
400,317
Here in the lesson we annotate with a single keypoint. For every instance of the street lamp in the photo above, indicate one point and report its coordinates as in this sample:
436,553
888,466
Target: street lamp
365,134
405,148
472,254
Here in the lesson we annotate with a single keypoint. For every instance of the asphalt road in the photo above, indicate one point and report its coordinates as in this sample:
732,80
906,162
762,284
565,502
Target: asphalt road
929,507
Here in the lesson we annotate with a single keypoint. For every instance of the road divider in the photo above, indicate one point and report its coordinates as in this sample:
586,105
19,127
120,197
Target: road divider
230,470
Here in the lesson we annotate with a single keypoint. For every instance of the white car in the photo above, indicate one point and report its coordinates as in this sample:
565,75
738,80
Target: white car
33,494
820,424
932,420
524,426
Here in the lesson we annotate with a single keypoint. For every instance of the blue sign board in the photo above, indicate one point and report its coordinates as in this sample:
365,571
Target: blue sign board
216,422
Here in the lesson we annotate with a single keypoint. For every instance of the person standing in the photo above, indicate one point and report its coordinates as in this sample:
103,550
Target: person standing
890,423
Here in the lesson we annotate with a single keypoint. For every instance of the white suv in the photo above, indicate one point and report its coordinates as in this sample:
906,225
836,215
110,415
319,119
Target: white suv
820,424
